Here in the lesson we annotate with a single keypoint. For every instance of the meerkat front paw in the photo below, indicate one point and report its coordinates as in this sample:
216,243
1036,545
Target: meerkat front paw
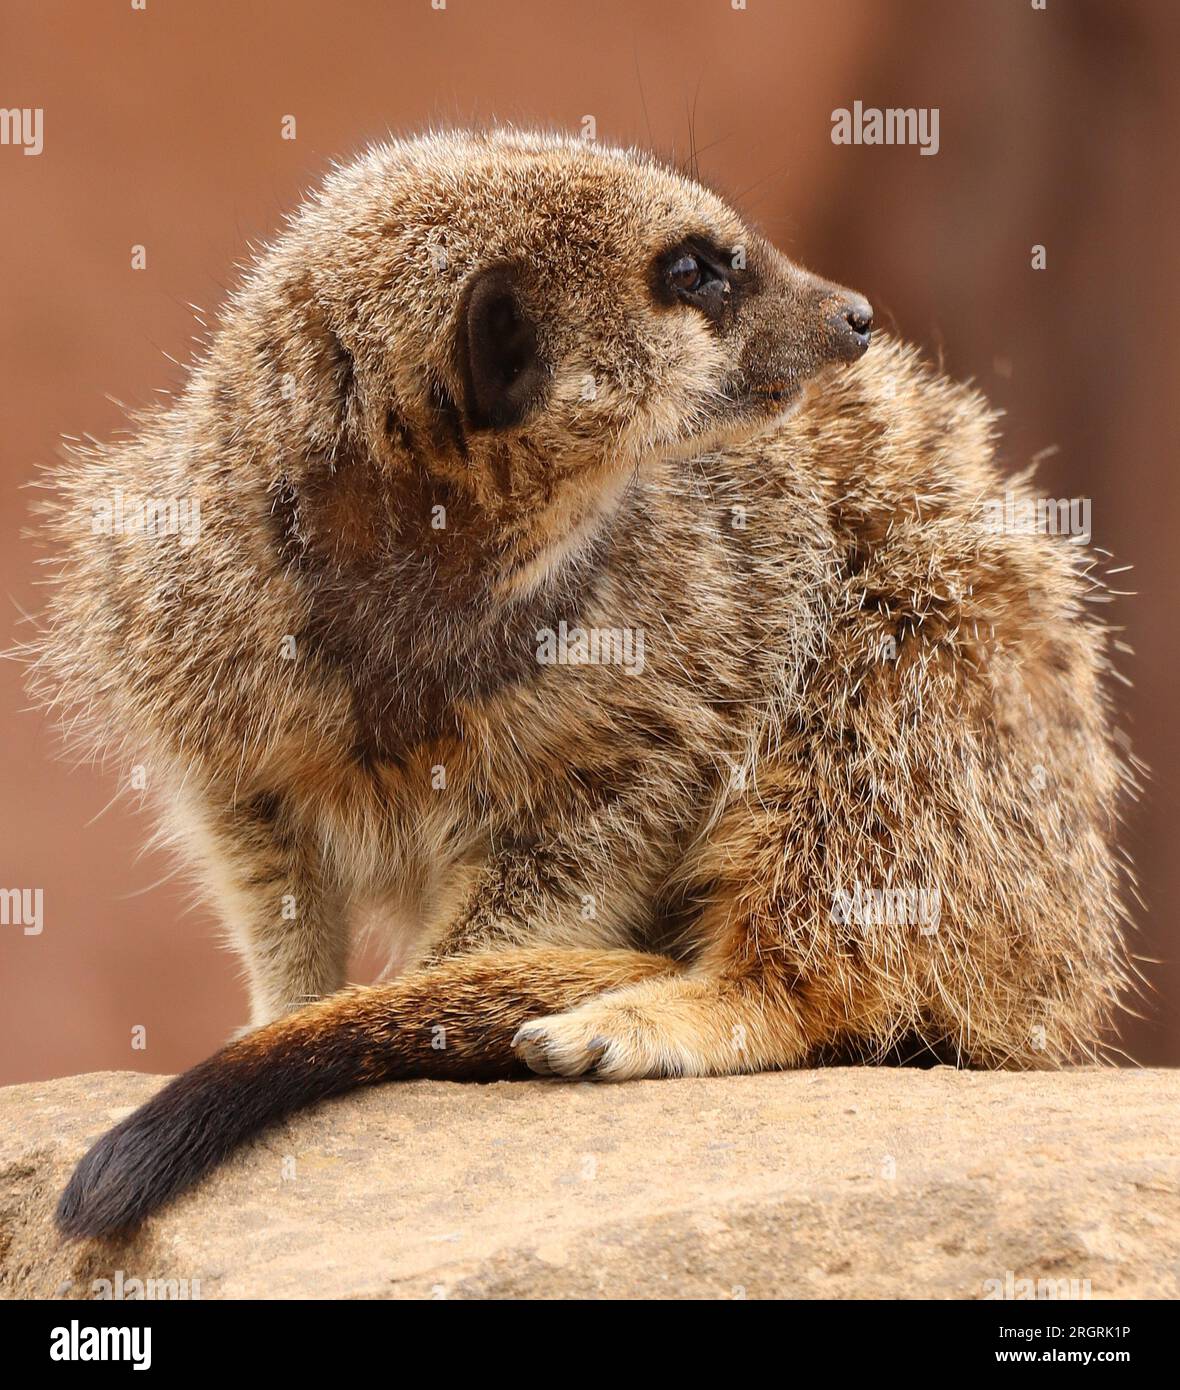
610,1042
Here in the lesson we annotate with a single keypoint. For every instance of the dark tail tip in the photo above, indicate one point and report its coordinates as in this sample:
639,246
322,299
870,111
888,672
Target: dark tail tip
187,1129
114,1186
162,1148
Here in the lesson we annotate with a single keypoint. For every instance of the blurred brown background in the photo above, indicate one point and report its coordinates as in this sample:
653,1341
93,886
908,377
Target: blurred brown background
162,128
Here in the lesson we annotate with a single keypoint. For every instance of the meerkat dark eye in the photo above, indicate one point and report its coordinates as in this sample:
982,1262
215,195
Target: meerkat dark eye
685,274
692,274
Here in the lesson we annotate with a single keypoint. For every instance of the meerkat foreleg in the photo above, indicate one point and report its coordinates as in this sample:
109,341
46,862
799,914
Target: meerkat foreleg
281,913
701,1023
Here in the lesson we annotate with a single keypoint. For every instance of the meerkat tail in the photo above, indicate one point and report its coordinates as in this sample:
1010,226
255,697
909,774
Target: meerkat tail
455,1020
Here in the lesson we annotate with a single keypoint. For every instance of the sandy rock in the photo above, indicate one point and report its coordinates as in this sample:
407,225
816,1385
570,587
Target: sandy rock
842,1183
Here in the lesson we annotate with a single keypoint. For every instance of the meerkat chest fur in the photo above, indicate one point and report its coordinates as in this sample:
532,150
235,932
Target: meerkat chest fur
495,689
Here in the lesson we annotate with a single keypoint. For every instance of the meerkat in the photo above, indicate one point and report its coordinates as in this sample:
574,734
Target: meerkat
491,413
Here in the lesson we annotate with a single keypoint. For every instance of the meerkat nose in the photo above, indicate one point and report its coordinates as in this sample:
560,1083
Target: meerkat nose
852,323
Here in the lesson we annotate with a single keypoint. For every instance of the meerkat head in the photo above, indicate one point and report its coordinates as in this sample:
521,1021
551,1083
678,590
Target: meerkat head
518,310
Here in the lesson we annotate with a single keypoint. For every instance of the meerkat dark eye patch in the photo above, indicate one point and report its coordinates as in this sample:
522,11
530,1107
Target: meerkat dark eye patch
697,274
502,370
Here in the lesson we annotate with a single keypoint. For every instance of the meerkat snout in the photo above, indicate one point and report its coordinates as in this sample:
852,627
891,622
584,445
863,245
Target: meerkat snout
853,327
838,321
793,327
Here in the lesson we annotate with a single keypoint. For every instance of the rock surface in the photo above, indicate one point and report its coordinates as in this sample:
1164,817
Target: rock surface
842,1183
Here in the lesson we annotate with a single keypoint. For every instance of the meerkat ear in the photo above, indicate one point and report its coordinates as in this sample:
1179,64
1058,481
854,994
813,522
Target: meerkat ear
501,367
